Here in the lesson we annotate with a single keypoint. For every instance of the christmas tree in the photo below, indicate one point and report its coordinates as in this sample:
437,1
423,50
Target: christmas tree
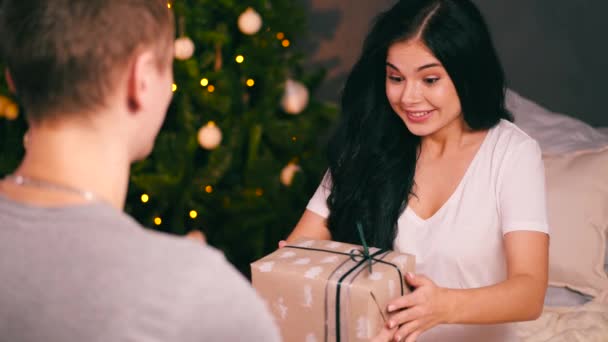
12,129
240,152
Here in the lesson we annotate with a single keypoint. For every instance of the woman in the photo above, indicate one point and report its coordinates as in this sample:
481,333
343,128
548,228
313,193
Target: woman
426,159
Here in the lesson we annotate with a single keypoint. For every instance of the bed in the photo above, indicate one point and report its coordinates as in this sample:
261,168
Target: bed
585,323
576,166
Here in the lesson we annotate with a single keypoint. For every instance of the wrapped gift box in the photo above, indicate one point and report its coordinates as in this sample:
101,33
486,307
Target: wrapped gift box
323,291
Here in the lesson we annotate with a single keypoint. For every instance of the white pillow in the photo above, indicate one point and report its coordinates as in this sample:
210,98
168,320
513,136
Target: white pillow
562,296
556,133
577,207
559,136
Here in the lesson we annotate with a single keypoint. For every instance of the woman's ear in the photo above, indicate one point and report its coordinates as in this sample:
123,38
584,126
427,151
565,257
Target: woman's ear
9,81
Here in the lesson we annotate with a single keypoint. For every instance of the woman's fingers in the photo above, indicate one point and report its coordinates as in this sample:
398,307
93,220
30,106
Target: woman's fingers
405,330
197,235
403,302
385,335
403,317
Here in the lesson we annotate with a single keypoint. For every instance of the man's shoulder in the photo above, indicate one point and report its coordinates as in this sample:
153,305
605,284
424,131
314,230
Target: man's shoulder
112,267
176,256
124,245
208,286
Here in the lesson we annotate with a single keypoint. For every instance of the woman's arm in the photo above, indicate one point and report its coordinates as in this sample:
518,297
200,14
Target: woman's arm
311,225
519,298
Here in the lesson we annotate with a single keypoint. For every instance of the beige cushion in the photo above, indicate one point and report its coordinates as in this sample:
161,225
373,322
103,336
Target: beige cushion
577,204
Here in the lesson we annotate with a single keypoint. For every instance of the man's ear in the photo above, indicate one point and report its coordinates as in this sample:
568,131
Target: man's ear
138,82
9,81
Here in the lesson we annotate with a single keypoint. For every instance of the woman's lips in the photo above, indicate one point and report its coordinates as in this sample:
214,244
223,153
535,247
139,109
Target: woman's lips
419,116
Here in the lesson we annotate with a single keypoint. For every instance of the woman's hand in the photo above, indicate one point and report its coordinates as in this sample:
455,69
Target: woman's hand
418,311
197,235
282,243
385,335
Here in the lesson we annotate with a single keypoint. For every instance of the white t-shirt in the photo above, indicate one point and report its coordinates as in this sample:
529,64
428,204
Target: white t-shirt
461,245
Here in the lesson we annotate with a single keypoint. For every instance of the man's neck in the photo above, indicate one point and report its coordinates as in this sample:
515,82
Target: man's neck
86,160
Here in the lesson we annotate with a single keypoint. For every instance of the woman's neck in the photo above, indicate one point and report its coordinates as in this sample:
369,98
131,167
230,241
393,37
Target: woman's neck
448,139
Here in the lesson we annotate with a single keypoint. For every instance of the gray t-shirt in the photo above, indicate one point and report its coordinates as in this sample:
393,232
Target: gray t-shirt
91,273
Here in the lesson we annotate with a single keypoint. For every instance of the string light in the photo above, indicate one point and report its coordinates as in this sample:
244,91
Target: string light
211,88
174,87
294,138
285,42
145,198
11,111
240,59
259,192
193,214
168,5
250,82
204,82
280,35
158,221
208,189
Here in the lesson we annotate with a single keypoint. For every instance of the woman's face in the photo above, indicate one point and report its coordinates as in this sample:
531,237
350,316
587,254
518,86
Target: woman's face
420,90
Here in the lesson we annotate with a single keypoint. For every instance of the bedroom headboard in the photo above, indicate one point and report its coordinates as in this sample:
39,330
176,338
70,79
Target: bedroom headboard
553,51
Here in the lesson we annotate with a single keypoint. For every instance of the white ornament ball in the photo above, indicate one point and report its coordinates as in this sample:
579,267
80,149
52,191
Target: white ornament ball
209,136
295,98
288,173
250,21
184,48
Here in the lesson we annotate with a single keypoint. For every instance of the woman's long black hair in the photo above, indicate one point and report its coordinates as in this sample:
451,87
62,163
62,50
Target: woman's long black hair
372,155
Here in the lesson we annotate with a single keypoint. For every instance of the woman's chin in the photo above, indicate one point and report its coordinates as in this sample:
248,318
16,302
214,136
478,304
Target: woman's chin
418,129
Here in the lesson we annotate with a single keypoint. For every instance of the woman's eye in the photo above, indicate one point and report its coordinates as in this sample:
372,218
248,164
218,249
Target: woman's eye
431,80
395,78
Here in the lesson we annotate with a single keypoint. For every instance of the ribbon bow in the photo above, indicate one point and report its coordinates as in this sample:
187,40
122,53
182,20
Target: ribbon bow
365,252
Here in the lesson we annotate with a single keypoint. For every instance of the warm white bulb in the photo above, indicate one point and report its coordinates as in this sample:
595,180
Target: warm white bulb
288,173
250,22
209,136
295,99
183,48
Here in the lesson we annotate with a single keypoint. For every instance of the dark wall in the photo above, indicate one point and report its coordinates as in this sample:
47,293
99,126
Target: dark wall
553,51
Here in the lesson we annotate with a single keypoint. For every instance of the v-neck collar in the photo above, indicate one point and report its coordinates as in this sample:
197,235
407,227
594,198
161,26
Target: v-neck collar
412,214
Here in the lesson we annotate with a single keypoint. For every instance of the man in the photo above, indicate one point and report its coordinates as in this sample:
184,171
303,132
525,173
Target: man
95,79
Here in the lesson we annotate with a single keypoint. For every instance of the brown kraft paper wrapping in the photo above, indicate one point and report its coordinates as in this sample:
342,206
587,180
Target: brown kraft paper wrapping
312,287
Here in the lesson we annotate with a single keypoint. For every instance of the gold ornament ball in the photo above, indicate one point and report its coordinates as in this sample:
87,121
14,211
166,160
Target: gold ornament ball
295,99
209,136
4,101
250,21
288,173
184,48
11,111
